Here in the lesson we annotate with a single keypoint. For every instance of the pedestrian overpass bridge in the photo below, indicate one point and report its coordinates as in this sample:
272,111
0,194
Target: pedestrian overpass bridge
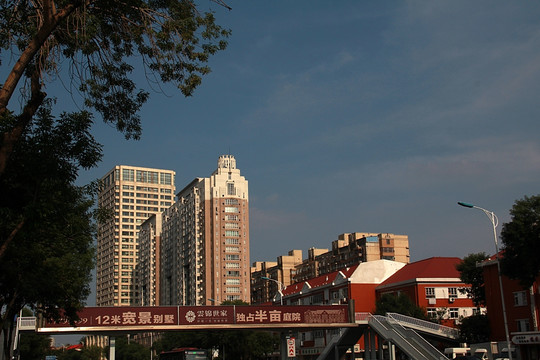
395,330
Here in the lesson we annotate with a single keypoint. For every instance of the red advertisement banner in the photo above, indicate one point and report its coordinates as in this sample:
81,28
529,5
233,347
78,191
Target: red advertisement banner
122,316
205,315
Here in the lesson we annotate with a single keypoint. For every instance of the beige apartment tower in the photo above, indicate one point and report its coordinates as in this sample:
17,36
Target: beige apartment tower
133,194
205,240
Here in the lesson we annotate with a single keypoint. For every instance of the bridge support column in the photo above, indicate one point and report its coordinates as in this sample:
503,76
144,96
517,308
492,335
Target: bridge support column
369,345
283,341
380,353
112,348
392,350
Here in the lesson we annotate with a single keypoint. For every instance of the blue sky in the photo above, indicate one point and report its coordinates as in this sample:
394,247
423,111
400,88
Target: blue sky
363,116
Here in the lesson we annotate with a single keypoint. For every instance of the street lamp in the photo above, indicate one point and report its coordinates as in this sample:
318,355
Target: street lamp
281,287
495,221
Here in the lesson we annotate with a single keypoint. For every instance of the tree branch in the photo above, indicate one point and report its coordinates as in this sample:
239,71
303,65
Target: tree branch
11,236
51,19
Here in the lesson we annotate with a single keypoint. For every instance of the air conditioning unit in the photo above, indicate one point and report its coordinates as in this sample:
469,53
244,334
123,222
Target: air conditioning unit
432,301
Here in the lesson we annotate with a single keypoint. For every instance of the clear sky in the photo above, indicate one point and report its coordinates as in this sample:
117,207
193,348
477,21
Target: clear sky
360,116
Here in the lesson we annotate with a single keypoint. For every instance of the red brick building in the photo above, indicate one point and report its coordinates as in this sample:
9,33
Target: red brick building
432,284
521,311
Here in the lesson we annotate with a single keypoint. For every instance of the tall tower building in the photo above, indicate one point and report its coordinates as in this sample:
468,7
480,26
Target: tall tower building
133,194
149,260
205,240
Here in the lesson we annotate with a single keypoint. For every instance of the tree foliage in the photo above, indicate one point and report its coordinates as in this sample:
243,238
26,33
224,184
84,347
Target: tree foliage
34,346
401,304
46,264
521,241
230,344
100,42
474,329
471,274
129,350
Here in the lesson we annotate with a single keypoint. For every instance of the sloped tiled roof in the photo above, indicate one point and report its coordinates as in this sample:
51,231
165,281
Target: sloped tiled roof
428,269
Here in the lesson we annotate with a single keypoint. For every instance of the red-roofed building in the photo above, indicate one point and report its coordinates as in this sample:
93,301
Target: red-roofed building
433,284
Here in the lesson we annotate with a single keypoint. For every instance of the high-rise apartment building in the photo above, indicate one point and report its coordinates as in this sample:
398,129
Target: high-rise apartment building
149,260
205,240
133,194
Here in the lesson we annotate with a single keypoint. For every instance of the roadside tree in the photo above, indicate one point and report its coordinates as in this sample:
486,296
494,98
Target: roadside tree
470,273
521,242
474,329
48,266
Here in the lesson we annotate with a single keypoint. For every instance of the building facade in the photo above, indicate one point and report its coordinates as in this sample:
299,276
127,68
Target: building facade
132,194
149,260
522,311
433,284
205,240
348,250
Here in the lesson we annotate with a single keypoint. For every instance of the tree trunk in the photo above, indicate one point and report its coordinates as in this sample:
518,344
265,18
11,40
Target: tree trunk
50,20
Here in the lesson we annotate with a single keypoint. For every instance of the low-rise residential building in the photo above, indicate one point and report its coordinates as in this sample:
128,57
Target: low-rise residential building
433,284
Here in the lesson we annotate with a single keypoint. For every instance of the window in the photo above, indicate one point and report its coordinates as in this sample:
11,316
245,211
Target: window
230,189
232,226
432,313
232,290
232,266
452,292
520,298
232,257
231,233
232,241
232,282
231,209
231,217
231,201
453,312
128,174
152,177
523,325
232,249
165,179
430,292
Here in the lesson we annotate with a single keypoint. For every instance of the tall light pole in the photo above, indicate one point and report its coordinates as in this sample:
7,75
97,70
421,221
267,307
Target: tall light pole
280,289
495,221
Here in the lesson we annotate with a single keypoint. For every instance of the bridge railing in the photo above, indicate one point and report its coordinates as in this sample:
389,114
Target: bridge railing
423,324
26,323
362,317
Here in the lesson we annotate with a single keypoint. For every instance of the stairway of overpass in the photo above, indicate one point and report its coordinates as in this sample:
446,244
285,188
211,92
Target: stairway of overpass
399,330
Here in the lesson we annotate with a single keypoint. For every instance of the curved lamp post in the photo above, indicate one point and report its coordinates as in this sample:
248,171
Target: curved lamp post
495,221
280,289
